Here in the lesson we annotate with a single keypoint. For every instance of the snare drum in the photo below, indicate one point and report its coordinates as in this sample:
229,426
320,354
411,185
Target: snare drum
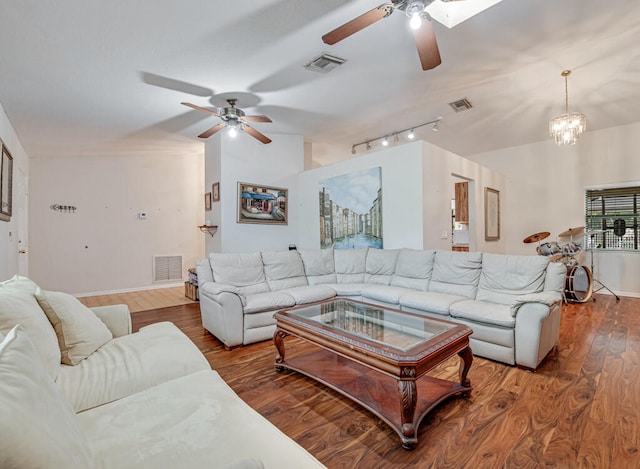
578,284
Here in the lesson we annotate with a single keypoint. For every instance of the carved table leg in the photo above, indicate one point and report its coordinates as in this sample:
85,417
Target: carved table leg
278,340
408,399
467,359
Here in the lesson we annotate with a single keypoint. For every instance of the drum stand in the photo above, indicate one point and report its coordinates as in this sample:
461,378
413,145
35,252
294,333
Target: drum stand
602,285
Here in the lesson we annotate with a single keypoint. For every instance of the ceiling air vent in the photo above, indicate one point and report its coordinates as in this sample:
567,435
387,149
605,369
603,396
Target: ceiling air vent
461,105
324,63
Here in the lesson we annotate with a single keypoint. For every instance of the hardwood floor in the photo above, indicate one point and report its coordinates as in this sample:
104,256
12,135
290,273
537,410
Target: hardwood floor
142,300
579,410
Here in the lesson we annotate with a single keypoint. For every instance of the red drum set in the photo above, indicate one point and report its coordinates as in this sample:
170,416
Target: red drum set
579,281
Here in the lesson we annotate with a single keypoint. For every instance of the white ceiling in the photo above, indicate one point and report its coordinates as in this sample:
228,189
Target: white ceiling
89,77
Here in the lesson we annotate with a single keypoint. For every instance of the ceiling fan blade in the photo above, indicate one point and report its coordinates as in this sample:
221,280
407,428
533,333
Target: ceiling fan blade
257,135
256,119
427,46
212,130
198,108
356,24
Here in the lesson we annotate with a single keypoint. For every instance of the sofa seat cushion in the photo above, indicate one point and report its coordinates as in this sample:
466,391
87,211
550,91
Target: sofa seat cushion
38,427
438,303
242,270
18,305
347,289
80,332
268,301
384,293
131,363
310,294
192,422
484,312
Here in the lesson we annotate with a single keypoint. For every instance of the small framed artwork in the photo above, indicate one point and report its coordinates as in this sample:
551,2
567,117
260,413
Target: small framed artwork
215,192
262,204
207,201
6,183
491,214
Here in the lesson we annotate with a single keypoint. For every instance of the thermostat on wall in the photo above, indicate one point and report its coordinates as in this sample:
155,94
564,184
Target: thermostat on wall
142,215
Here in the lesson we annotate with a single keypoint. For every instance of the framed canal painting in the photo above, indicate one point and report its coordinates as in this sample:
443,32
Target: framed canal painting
262,204
351,210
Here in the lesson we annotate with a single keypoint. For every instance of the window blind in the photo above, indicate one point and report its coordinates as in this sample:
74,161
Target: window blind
611,218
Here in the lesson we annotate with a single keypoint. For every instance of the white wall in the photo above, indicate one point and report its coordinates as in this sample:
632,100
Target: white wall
546,185
416,196
244,159
401,196
104,246
13,234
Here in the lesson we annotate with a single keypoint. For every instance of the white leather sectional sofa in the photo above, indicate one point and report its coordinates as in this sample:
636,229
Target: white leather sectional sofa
147,399
512,303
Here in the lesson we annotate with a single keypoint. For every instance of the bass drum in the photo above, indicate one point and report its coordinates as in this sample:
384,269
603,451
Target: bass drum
578,285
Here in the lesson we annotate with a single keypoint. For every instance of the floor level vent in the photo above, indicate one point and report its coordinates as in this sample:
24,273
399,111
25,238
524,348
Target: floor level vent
167,268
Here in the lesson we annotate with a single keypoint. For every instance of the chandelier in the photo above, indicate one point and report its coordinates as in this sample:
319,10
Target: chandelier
567,128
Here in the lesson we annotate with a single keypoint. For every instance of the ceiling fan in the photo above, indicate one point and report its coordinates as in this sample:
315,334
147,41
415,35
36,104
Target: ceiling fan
422,30
235,119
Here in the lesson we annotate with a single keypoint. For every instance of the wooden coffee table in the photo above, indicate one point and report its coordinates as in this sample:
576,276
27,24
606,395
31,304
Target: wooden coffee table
378,357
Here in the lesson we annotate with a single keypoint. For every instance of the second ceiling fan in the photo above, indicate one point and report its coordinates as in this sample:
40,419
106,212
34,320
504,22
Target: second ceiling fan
420,24
234,118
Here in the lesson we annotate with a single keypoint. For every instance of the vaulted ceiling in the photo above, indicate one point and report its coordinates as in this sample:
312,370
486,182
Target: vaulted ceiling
88,77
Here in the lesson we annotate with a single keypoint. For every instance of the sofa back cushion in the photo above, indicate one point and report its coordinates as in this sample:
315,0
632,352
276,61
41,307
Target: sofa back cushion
319,266
555,277
456,273
242,270
413,269
18,305
283,269
380,265
506,276
38,425
350,265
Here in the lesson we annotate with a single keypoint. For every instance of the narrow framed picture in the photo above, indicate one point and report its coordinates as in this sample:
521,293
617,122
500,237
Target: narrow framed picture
262,204
491,214
215,192
6,183
207,201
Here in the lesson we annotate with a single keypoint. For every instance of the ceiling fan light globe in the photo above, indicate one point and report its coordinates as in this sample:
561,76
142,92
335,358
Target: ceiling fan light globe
233,132
415,22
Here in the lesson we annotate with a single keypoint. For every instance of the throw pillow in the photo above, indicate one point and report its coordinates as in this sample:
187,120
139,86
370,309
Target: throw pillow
37,424
80,332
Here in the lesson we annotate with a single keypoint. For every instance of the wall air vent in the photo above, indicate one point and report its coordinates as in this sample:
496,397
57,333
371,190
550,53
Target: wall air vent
167,268
461,105
324,63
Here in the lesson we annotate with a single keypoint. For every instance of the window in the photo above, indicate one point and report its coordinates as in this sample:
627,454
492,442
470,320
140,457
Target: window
612,218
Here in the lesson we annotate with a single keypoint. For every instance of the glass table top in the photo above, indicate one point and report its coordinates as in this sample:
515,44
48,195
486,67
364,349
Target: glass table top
395,329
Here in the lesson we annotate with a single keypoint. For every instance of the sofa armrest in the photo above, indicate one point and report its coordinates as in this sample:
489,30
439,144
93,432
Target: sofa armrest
117,318
548,298
215,289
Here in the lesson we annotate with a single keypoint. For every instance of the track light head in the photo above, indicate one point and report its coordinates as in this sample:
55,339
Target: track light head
385,142
411,135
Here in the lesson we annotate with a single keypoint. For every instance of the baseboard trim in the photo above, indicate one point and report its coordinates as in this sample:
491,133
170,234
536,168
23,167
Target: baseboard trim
128,290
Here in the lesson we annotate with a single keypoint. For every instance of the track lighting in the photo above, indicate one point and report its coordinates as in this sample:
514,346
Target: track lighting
396,135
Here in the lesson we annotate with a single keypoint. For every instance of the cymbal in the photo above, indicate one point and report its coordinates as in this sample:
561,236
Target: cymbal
592,232
536,237
572,231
